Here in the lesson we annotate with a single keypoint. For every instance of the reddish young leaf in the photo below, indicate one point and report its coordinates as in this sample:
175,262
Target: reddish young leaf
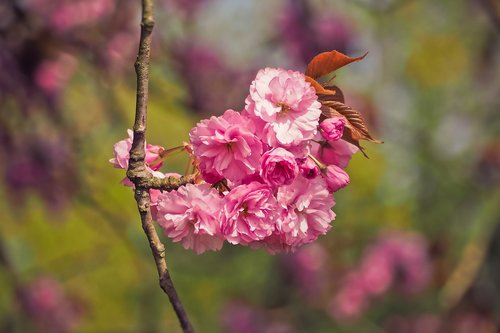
355,128
318,87
337,97
327,62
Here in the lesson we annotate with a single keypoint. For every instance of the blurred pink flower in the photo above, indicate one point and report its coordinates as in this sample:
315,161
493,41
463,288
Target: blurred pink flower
250,213
42,164
402,260
351,300
120,50
307,268
52,75
285,105
239,317
188,7
377,272
191,215
44,299
397,259
278,167
71,14
226,147
335,177
332,128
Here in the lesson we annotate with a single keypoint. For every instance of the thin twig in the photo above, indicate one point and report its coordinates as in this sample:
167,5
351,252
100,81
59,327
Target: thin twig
138,173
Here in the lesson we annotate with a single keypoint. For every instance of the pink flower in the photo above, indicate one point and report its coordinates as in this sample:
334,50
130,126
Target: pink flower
122,153
52,75
332,128
226,147
309,169
402,260
307,213
351,300
335,177
278,167
286,105
76,13
250,213
395,259
50,308
334,152
308,270
191,215
238,317
377,271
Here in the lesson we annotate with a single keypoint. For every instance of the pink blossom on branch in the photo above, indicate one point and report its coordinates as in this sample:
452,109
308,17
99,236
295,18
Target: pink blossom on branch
285,105
191,215
257,173
278,167
334,152
335,177
332,128
121,151
307,214
250,213
226,147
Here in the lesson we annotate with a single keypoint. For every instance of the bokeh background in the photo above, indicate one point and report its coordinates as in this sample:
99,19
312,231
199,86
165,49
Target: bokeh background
415,247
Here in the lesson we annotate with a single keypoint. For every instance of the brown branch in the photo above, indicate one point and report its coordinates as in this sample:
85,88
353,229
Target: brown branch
147,180
138,173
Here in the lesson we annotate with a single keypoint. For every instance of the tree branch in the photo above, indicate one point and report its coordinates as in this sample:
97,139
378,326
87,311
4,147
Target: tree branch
138,173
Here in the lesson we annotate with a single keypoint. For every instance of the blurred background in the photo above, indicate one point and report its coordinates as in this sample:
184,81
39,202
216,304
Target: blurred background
415,247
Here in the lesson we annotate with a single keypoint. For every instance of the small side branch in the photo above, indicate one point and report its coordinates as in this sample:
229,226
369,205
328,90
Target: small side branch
140,176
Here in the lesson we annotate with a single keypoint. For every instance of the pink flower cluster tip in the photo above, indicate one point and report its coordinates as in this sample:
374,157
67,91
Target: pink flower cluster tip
274,195
266,175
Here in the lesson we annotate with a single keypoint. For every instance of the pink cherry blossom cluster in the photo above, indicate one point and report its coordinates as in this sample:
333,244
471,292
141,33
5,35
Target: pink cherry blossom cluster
265,175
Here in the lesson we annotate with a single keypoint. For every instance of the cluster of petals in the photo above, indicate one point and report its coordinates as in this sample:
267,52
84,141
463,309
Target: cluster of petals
285,107
268,173
191,215
226,147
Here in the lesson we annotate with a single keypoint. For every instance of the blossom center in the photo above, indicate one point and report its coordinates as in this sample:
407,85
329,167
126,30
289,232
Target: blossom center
285,108
244,209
